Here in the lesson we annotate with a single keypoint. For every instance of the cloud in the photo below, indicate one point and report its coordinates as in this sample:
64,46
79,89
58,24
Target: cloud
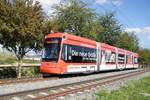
115,2
143,35
101,1
47,5
145,30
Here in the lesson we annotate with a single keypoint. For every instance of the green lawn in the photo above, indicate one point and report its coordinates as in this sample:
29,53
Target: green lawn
135,90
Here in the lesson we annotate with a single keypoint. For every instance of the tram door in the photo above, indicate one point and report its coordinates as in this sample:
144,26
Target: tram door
98,56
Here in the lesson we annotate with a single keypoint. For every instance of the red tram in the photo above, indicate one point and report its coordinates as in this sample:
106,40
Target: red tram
66,53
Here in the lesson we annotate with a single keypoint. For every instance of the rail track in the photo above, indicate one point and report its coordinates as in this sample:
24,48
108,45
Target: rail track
50,93
25,80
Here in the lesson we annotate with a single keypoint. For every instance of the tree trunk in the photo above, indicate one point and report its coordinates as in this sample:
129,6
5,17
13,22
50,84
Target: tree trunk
19,68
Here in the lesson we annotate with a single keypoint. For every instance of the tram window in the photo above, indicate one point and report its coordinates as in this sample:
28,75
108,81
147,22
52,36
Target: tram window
64,52
121,58
135,60
78,54
51,49
132,60
127,59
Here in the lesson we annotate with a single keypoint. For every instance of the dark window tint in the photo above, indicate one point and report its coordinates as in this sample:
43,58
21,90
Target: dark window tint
78,54
127,59
121,58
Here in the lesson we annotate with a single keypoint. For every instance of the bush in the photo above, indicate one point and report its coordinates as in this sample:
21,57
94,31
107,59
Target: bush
8,73
30,71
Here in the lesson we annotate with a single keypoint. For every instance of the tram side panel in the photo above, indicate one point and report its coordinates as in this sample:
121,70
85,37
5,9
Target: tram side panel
136,60
129,60
80,57
108,57
120,58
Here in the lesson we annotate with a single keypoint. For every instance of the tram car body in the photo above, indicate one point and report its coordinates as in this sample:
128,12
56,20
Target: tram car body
66,53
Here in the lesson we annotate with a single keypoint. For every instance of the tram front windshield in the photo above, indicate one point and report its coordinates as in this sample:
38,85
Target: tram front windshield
51,49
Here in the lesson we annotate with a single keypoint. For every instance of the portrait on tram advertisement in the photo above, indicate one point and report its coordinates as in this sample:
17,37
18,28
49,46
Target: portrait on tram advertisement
103,57
108,56
113,57
129,59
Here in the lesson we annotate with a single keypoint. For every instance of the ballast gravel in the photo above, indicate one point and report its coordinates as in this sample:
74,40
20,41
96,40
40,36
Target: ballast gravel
20,87
91,94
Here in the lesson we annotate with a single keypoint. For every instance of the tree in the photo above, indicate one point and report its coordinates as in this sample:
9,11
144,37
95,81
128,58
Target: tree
128,41
21,27
144,56
111,29
76,18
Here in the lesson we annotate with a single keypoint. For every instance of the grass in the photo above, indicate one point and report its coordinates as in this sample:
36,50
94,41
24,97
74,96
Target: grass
134,90
8,58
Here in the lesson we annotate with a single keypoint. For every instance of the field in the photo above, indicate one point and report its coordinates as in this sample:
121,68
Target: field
134,90
9,58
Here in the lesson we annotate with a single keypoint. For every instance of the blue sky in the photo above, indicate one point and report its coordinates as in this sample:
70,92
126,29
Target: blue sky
134,15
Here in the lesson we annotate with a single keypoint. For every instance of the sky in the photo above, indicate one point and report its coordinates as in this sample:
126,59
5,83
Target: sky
134,15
